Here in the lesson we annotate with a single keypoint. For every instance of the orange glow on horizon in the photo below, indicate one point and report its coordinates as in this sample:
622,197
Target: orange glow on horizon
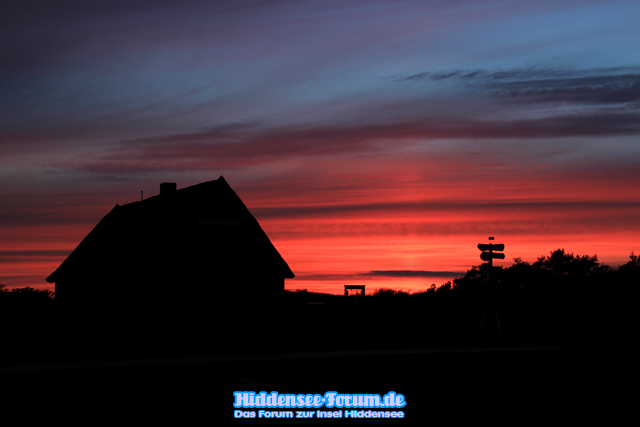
332,229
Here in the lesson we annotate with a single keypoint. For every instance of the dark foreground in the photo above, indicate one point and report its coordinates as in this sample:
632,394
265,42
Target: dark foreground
440,387
453,362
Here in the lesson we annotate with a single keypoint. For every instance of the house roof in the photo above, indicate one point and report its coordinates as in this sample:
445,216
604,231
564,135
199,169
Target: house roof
205,226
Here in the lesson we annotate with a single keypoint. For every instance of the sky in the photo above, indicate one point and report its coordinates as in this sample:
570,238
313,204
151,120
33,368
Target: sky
376,142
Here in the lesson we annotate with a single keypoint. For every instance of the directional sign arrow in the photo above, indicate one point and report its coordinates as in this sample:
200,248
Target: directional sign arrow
491,247
487,256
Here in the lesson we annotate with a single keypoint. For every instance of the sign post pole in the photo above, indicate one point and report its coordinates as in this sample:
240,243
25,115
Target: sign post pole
488,254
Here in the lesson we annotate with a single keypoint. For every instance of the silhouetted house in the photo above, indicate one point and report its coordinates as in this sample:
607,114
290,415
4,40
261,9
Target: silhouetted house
198,245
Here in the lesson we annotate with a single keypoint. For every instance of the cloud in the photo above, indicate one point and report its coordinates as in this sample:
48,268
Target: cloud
17,255
372,275
591,86
414,273
530,226
443,75
439,207
581,90
330,276
238,148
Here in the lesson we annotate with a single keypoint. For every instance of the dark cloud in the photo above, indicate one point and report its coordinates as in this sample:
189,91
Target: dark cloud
40,218
434,207
443,75
414,273
331,276
229,148
583,90
33,253
592,86
522,74
20,256
52,210
372,275
570,223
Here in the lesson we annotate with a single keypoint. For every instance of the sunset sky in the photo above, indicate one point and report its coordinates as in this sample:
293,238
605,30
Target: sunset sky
376,142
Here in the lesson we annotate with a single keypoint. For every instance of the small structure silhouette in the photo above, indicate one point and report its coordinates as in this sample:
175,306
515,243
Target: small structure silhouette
197,245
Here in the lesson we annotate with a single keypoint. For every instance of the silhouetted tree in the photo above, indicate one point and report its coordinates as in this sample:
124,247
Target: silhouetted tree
561,263
632,267
36,293
387,292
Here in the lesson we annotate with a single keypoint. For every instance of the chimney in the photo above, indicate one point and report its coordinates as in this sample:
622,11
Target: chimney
168,188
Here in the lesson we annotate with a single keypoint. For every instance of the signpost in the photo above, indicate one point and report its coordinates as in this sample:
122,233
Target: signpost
491,247
489,255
